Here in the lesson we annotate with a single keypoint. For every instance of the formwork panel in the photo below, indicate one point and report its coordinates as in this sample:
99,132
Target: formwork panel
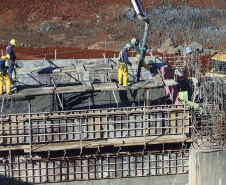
97,124
125,166
40,170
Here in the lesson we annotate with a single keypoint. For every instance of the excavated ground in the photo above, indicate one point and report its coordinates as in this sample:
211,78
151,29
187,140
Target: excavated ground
107,25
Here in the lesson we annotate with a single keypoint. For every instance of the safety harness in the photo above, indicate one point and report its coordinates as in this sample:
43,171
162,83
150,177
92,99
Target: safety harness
10,61
121,64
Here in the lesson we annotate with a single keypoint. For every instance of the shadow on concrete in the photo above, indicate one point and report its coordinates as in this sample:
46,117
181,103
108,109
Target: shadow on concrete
11,181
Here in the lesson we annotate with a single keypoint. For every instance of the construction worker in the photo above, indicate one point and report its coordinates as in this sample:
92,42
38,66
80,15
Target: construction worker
11,62
138,46
122,66
4,75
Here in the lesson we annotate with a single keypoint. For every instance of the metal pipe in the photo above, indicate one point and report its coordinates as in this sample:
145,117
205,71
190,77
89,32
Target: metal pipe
142,52
139,9
30,132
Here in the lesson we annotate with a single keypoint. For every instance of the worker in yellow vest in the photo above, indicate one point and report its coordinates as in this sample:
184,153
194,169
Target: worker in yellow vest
122,66
4,75
138,47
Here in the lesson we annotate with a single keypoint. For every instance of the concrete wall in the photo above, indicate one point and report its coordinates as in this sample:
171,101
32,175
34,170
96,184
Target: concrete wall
181,179
207,167
85,100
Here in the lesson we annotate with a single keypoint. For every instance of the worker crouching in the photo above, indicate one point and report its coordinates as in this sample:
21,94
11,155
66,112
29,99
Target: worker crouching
122,65
4,75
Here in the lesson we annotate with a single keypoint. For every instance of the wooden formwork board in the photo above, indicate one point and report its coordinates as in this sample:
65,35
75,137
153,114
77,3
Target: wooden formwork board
61,169
93,125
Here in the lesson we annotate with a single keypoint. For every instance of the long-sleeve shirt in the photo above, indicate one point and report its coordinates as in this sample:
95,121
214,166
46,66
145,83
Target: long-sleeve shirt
138,47
124,57
11,53
2,65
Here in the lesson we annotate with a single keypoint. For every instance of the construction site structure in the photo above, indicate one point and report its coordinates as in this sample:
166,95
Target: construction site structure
100,129
70,121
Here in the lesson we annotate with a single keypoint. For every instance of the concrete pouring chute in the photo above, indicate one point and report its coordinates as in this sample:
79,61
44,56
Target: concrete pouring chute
140,13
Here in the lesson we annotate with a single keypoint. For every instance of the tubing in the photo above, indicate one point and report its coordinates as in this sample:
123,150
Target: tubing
139,9
142,52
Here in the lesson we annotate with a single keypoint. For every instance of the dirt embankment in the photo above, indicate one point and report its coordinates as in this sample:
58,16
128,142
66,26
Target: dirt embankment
100,24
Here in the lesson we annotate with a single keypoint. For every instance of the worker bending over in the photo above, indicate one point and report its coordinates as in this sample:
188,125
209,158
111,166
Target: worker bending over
138,46
4,75
122,65
11,62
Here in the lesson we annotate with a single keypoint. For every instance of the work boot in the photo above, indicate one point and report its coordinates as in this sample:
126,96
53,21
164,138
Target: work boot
128,87
9,93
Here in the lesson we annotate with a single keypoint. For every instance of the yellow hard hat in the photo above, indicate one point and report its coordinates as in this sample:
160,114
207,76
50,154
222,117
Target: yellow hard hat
13,42
7,56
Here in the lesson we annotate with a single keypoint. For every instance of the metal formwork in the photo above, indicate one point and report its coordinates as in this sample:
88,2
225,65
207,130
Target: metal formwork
96,124
40,170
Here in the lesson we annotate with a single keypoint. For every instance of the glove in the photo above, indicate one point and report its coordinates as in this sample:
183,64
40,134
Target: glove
144,49
130,64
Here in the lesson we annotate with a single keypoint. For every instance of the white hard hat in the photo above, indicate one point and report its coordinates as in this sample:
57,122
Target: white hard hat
133,41
127,46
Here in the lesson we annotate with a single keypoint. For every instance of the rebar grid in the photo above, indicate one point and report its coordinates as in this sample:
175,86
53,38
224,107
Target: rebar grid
96,124
40,169
209,131
192,65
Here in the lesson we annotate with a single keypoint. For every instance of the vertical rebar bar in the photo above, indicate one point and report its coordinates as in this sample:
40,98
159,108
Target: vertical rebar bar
30,134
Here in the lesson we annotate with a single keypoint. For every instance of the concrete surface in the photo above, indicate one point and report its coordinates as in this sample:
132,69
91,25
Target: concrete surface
180,179
207,167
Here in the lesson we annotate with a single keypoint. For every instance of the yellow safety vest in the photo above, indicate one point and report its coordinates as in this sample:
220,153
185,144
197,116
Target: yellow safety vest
121,65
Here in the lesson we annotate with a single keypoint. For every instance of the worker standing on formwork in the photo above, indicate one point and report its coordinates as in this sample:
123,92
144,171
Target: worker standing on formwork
11,62
138,46
4,75
122,65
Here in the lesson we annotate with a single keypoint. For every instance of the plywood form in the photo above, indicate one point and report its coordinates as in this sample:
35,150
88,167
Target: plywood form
102,125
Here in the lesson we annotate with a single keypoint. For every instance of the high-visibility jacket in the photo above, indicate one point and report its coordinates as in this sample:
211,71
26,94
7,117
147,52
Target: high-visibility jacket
2,65
4,75
138,47
9,50
124,57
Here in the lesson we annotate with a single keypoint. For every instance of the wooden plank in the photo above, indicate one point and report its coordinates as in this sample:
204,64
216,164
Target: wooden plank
109,142
174,118
158,80
84,76
170,82
36,91
172,123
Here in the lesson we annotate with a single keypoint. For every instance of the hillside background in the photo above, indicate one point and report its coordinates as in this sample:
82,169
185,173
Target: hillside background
89,23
